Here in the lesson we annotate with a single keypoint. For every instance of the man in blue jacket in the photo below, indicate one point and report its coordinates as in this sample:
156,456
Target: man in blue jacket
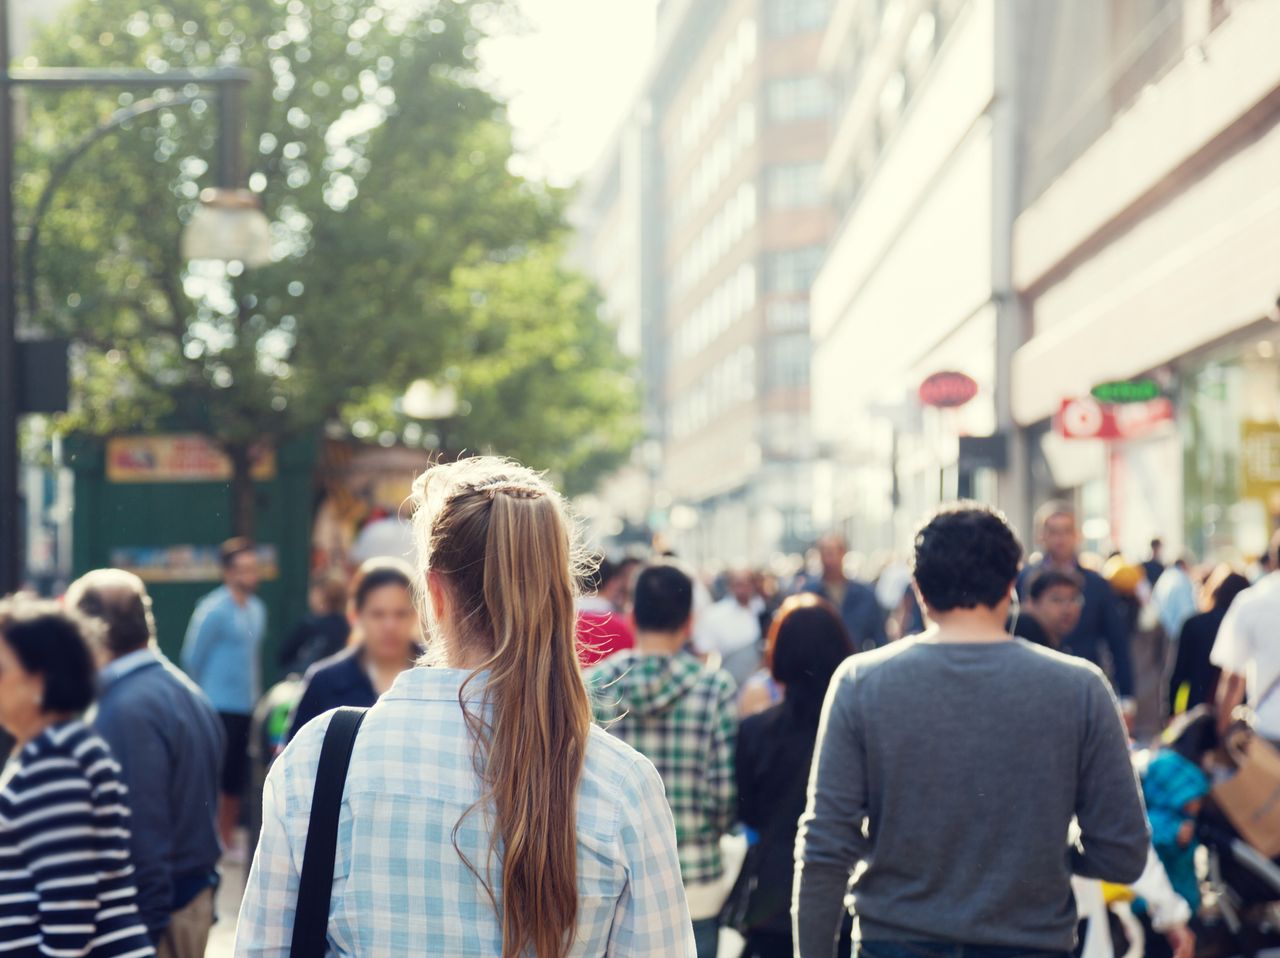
169,742
1101,622
859,610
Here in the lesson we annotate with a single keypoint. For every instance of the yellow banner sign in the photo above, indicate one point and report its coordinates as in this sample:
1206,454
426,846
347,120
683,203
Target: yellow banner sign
1260,463
176,458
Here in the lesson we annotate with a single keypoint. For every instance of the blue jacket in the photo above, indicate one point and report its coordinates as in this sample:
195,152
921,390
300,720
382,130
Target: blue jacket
340,680
859,611
222,648
169,742
1101,621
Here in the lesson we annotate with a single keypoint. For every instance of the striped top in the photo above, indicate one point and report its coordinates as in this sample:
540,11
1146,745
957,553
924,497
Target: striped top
66,880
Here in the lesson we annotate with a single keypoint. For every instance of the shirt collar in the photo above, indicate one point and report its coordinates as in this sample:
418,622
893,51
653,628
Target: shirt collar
431,684
127,664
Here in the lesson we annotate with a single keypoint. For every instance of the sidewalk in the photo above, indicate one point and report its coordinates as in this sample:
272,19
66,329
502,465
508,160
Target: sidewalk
223,937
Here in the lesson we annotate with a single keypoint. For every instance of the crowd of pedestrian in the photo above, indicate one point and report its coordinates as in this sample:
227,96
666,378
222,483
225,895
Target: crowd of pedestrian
526,752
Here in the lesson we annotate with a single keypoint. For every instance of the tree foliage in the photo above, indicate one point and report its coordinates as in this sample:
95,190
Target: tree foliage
405,246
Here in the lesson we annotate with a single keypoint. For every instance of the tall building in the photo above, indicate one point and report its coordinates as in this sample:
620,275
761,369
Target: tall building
615,218
1149,249
923,168
729,222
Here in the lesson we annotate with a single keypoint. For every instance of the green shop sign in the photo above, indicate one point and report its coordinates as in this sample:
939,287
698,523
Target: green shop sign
1132,390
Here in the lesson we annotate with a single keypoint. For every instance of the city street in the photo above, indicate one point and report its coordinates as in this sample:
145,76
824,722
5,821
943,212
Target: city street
750,461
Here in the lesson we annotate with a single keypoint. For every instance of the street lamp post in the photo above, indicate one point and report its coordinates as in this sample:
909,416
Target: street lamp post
227,225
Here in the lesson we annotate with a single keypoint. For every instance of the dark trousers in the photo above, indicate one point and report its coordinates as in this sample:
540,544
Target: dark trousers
706,936
938,949
774,944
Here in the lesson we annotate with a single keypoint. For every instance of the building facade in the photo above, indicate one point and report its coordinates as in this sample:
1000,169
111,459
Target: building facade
712,197
1149,249
923,168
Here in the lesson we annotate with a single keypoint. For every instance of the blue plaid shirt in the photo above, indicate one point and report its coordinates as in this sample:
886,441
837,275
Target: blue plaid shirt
400,887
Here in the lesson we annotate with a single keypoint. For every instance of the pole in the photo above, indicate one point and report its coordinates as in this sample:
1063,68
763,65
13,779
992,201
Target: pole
10,536
230,125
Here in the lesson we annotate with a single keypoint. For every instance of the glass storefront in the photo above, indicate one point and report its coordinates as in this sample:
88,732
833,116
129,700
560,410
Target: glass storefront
1230,415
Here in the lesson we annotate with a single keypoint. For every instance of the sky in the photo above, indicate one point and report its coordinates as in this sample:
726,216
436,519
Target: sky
569,78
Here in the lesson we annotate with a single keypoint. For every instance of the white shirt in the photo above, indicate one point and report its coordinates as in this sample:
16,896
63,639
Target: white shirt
726,627
1248,644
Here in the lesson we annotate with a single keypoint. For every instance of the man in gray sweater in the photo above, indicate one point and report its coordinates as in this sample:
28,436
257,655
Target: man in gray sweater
950,768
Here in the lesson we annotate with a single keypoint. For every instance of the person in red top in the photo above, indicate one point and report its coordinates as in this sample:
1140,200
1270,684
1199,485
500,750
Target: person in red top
603,628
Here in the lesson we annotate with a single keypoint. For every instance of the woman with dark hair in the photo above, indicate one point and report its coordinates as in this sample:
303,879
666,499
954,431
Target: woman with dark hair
1194,679
806,645
66,876
385,640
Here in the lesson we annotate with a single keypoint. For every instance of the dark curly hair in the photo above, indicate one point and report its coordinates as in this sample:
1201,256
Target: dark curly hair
966,555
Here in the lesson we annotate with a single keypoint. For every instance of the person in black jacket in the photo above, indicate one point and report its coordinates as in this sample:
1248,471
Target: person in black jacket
385,641
775,748
1192,667
321,634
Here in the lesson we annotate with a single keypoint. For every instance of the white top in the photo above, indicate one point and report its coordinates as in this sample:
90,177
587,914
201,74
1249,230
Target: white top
1248,644
726,627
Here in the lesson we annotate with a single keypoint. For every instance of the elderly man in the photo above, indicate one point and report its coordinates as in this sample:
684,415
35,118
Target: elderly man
169,742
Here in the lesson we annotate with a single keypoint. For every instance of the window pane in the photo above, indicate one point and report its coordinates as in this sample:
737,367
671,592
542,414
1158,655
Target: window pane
797,98
793,186
792,271
793,16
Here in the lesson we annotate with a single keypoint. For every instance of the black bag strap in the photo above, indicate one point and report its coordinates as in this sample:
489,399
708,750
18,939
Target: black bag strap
315,887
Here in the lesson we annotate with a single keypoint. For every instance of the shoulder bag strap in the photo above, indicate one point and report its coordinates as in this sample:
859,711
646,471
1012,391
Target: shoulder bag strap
315,887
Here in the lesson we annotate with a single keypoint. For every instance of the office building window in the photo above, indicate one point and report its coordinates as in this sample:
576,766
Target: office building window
795,16
789,361
787,315
792,270
793,186
797,98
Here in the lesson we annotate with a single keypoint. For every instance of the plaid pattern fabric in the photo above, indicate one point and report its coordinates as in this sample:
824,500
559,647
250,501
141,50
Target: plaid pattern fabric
400,887
682,717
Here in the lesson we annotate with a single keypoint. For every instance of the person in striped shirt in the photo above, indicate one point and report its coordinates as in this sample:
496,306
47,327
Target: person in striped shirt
66,878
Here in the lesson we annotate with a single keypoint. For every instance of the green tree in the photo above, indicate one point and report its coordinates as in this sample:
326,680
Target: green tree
402,238
542,373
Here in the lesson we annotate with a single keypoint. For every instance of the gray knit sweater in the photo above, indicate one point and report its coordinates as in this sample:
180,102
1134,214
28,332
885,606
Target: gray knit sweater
950,774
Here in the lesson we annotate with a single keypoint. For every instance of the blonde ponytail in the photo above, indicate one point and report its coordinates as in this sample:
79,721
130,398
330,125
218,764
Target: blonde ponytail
498,534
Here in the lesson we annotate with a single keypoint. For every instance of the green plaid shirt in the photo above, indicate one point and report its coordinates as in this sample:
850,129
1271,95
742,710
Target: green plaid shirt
683,718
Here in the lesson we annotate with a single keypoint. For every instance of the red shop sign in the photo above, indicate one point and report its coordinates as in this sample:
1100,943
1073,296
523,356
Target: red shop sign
1089,419
948,390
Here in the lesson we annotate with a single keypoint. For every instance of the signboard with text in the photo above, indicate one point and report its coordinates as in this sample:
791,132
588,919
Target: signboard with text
948,390
1086,418
183,563
1260,463
186,457
1127,391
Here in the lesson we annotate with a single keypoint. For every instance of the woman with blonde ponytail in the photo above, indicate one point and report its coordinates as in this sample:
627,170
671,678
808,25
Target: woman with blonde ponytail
483,814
